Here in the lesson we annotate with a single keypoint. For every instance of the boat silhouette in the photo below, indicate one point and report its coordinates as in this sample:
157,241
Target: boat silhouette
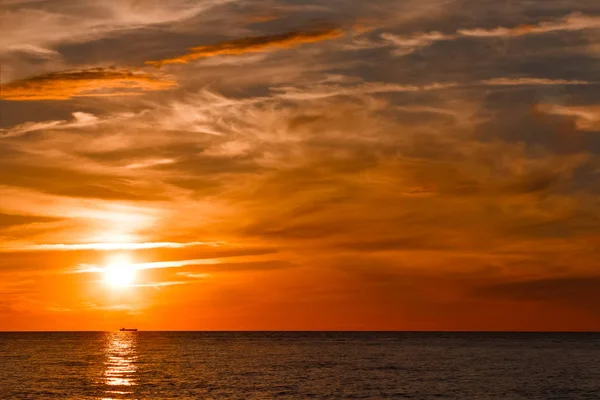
128,329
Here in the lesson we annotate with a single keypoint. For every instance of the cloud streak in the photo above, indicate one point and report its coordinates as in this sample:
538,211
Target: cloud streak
326,91
256,44
108,246
93,82
572,22
241,263
407,44
80,120
533,82
163,284
587,117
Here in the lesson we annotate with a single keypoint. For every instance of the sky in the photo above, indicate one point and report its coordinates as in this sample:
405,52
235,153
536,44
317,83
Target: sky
300,165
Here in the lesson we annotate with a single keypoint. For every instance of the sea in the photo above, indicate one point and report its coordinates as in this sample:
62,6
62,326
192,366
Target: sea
299,365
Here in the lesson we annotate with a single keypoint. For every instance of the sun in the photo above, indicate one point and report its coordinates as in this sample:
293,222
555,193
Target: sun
120,273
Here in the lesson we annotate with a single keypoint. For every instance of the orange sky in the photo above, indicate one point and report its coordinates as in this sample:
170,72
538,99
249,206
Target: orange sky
437,169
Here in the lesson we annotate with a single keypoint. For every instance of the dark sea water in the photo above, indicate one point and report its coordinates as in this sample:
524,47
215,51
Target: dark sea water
178,365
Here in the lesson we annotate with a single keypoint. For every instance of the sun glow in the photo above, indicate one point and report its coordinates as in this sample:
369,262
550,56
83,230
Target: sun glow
120,273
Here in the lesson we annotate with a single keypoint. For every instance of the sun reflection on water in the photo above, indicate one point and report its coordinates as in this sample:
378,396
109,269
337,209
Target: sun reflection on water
120,365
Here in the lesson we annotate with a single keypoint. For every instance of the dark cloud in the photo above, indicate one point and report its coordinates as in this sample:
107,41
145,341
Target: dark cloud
8,220
71,182
579,291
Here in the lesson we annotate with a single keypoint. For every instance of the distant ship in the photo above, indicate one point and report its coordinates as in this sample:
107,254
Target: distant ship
128,329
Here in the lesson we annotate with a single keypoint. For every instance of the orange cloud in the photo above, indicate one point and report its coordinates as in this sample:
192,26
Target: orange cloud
253,45
91,82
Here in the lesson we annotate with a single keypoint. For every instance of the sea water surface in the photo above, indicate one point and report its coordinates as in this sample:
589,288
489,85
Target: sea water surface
201,365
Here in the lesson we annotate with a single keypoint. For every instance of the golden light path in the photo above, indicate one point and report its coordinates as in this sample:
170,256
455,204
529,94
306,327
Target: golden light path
120,363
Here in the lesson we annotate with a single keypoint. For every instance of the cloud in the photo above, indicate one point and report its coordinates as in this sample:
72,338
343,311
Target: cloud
346,154
8,220
150,163
533,82
325,91
407,44
80,120
572,22
35,51
65,179
586,117
193,275
35,23
217,265
176,264
580,291
93,82
265,17
253,45
107,246
163,284
148,12
29,127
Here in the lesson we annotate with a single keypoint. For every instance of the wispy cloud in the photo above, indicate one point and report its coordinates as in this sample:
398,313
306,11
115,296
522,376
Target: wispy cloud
28,127
193,275
163,284
533,82
150,163
407,44
80,120
36,51
325,91
410,43
7,220
571,22
108,246
93,82
176,264
587,117
253,45
224,264
34,23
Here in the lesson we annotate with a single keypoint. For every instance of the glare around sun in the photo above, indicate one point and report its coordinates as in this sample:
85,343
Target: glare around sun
120,273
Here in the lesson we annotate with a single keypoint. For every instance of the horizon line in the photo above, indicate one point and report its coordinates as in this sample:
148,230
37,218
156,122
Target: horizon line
305,331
